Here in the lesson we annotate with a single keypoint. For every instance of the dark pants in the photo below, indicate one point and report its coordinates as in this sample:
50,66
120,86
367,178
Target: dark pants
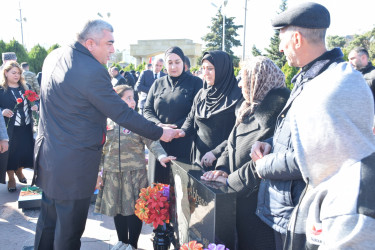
253,233
279,240
61,224
128,229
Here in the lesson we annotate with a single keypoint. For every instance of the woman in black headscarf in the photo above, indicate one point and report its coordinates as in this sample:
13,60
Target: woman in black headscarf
168,103
212,116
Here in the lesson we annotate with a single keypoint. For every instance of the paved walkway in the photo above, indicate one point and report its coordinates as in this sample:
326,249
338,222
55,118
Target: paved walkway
17,227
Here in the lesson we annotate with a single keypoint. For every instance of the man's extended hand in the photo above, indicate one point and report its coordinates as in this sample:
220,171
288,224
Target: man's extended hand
169,134
166,125
4,146
259,149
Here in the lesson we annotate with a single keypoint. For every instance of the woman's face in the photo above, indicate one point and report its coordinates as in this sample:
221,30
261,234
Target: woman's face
13,75
175,65
208,71
128,97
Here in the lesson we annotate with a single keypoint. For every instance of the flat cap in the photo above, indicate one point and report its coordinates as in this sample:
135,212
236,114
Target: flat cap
306,15
9,56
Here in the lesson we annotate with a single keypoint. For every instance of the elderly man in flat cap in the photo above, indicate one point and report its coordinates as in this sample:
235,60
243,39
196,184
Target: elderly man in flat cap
302,34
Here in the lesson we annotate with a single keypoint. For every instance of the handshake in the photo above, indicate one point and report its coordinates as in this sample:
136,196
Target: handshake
170,132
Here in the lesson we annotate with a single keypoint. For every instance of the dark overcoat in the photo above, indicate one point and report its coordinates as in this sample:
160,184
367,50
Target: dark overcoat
252,232
76,98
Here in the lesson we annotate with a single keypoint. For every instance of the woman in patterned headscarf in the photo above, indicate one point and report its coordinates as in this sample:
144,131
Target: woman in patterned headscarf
264,92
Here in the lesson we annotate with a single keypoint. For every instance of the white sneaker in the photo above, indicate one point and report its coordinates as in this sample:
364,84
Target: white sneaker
119,246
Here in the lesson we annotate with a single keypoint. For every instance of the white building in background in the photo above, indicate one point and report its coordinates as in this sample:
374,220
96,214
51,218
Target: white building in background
127,58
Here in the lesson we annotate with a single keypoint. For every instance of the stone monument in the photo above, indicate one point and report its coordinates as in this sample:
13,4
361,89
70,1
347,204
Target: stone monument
200,210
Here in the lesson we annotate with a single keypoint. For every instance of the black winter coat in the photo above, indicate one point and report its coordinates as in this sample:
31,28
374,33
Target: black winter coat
170,104
7,101
236,161
209,133
76,99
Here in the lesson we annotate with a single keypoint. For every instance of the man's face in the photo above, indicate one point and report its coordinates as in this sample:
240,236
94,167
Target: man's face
103,50
158,66
114,72
287,47
356,60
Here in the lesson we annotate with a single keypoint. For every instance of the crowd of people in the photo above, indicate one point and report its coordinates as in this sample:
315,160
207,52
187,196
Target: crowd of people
302,161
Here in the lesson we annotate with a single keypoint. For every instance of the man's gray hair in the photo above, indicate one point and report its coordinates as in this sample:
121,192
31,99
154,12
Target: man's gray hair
93,30
159,60
314,36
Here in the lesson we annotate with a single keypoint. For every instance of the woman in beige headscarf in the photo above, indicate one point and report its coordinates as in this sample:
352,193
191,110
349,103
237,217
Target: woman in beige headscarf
264,92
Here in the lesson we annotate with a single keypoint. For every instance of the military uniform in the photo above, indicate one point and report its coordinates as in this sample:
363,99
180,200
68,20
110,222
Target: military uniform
30,78
124,170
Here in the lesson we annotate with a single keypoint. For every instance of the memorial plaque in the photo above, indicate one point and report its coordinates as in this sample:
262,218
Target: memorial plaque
31,197
200,210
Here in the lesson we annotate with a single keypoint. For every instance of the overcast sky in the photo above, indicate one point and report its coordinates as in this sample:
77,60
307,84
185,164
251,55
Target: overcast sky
51,21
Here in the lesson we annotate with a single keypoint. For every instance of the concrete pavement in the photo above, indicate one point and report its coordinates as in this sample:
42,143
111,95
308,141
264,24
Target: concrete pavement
17,227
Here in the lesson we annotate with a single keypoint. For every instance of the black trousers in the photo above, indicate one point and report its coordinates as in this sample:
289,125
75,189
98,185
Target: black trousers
61,224
128,229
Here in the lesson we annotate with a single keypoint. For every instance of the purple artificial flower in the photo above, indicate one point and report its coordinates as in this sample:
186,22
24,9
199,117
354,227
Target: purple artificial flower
166,192
213,246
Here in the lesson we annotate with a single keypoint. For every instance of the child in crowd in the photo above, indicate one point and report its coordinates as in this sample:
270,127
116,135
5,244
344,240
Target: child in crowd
123,175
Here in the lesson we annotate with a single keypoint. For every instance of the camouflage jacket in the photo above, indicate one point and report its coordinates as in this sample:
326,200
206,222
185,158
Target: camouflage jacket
126,147
30,78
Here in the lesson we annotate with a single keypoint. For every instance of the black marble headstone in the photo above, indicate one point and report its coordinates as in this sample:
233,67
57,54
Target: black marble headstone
200,210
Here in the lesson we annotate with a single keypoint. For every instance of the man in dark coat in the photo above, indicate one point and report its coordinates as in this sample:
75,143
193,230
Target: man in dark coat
76,98
145,81
117,79
359,58
302,40
134,75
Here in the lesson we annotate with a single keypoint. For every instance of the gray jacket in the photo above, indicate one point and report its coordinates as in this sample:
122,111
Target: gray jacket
335,149
282,182
76,98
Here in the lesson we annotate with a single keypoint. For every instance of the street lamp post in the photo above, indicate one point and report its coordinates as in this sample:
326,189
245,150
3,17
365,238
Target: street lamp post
20,20
223,30
222,6
244,34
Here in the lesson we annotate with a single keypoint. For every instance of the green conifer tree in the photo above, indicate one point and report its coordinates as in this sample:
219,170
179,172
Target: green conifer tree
273,52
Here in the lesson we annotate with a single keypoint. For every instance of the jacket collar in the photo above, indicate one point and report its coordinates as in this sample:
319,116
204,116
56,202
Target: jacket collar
369,67
78,46
317,66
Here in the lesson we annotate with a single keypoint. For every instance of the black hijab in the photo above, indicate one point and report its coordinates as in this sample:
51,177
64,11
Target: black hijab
225,93
176,50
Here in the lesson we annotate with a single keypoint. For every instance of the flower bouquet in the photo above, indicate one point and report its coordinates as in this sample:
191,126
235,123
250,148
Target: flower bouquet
32,97
152,207
193,245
